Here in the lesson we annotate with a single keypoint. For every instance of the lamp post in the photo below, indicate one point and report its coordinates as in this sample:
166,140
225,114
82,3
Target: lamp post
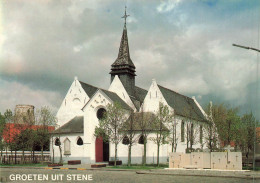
245,47
255,49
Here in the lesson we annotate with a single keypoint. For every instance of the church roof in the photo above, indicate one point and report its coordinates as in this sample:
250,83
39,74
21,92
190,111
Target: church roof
115,98
138,99
182,105
140,93
75,125
91,90
144,121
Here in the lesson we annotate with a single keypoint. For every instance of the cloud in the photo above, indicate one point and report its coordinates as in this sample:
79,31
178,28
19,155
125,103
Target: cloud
185,45
13,93
167,6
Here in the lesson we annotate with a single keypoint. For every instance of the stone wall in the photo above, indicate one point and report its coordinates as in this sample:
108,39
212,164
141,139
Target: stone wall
206,160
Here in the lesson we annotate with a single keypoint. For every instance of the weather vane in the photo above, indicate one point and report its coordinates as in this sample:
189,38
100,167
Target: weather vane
125,16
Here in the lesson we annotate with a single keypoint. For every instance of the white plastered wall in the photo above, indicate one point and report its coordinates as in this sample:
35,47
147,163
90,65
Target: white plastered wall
118,88
77,151
153,98
151,104
72,104
137,152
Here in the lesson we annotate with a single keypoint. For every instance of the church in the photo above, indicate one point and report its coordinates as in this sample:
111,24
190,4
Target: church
84,103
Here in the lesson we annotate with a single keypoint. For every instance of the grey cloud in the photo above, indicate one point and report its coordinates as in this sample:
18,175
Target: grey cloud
187,48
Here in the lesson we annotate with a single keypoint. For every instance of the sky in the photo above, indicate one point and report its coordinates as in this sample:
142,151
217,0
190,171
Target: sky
185,45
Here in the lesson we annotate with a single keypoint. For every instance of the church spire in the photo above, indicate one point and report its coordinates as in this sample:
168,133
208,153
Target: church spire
123,54
123,65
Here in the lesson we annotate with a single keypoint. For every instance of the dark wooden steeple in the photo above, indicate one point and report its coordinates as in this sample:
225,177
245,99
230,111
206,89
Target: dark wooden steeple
123,66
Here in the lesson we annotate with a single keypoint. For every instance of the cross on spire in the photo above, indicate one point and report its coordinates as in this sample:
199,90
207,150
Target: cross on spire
125,16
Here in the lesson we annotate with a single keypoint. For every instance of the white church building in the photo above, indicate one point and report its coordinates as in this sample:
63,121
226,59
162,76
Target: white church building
80,111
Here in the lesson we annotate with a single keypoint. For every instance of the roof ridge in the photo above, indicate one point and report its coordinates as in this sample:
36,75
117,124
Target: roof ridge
141,88
95,86
174,92
87,84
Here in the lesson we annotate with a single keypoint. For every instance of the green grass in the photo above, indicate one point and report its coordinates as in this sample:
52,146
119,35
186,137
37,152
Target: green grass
23,165
139,167
251,168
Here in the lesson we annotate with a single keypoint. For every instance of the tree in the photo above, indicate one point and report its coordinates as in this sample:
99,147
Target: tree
25,141
248,121
111,126
173,138
228,123
162,118
45,117
145,121
8,132
209,130
2,127
130,134
192,130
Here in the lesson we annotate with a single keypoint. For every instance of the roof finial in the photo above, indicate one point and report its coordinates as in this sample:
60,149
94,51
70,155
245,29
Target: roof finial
125,16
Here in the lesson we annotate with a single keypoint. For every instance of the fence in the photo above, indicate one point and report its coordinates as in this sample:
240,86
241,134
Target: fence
29,157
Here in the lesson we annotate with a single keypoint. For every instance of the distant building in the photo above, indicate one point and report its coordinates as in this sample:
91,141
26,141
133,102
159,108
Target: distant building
24,114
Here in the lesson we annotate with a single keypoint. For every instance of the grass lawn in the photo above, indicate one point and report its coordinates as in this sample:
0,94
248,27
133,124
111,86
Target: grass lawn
138,167
251,168
24,165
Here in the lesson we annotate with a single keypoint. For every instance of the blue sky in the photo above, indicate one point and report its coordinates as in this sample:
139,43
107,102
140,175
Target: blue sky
185,45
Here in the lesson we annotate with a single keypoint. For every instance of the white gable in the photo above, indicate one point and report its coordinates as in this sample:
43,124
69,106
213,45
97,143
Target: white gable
72,104
99,99
153,98
202,111
118,88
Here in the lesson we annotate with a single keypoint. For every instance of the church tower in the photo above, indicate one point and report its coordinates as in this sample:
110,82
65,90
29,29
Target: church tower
123,66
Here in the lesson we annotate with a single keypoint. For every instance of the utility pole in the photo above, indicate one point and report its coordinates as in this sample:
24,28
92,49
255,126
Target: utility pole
255,49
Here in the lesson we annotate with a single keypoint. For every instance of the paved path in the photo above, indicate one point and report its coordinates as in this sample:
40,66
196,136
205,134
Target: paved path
245,174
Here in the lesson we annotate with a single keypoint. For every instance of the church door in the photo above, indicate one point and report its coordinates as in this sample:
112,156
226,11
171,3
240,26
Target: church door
99,149
105,151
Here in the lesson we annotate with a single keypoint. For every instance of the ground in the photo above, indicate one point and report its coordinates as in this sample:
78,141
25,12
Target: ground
116,176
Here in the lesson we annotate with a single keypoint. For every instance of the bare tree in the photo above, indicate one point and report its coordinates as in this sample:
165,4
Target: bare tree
210,130
162,118
192,130
145,121
173,138
130,134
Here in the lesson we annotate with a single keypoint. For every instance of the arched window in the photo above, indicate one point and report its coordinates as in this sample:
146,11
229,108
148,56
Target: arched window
67,147
182,131
141,140
57,142
101,113
125,140
80,141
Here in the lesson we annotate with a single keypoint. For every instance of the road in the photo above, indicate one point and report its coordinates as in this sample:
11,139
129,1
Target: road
101,176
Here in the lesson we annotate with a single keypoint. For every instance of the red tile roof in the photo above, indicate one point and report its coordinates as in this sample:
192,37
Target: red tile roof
11,130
